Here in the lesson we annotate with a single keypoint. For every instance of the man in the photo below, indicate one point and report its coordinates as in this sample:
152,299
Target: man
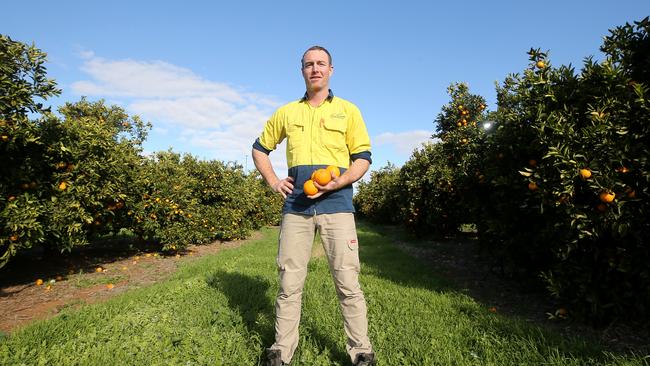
321,130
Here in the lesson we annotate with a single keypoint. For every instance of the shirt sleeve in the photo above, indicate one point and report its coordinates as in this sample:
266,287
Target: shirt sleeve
357,138
273,133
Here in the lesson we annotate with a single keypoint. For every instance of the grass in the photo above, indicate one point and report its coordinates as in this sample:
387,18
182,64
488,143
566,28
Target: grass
98,280
219,310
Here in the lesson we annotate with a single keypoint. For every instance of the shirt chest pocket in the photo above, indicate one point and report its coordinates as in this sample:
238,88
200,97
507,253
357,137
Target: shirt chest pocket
333,134
295,136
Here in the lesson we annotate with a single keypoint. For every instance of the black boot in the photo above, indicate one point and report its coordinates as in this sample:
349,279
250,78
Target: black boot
364,359
273,357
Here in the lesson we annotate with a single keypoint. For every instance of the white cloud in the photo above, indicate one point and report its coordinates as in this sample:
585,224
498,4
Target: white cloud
402,142
210,115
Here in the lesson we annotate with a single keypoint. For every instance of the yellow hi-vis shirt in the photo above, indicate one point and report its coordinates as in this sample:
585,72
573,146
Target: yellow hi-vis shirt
332,133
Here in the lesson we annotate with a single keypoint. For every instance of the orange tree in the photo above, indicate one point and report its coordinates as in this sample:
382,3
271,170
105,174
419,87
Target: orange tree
92,153
23,86
459,126
437,188
379,199
568,175
181,200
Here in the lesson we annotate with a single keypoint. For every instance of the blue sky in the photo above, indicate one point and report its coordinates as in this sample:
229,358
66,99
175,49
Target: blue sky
207,75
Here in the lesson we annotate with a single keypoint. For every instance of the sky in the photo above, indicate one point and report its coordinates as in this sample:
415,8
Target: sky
208,74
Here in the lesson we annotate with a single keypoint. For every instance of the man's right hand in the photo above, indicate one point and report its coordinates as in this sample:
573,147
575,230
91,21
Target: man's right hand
283,186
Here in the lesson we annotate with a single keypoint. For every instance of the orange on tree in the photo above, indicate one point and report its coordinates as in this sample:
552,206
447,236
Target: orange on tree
606,197
309,188
585,173
532,162
532,186
63,186
322,176
540,64
39,282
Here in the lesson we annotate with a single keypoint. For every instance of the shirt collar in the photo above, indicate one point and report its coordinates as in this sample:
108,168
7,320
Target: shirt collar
330,95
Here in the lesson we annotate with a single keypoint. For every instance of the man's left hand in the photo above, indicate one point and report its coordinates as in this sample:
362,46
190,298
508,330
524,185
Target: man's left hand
335,184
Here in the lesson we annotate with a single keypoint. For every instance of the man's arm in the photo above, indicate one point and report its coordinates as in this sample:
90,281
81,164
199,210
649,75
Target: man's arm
357,169
263,165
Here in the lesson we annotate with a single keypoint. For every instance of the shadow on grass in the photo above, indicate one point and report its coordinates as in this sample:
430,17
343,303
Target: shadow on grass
248,295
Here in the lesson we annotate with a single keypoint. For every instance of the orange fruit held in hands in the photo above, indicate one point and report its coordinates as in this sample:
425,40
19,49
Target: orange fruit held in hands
606,197
322,176
334,169
309,188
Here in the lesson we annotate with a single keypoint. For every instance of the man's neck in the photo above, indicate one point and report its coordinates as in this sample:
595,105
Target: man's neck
316,98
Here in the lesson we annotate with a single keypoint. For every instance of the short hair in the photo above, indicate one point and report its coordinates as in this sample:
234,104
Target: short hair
315,48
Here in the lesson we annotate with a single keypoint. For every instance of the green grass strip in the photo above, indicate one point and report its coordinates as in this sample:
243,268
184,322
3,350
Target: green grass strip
219,310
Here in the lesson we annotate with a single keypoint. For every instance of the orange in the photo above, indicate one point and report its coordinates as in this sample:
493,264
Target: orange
334,169
532,162
110,286
532,186
606,197
541,64
623,170
99,269
322,176
601,207
39,282
309,188
585,173
63,186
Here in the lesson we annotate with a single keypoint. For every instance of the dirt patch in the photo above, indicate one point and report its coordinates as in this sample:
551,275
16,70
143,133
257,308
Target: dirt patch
76,279
460,262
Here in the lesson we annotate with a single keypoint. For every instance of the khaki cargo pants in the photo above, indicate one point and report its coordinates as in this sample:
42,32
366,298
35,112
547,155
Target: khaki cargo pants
339,237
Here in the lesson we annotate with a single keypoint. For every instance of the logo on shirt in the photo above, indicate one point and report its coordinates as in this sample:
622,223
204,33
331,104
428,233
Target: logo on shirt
338,115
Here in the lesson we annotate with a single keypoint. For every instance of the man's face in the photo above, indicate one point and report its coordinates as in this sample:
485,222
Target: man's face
316,70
